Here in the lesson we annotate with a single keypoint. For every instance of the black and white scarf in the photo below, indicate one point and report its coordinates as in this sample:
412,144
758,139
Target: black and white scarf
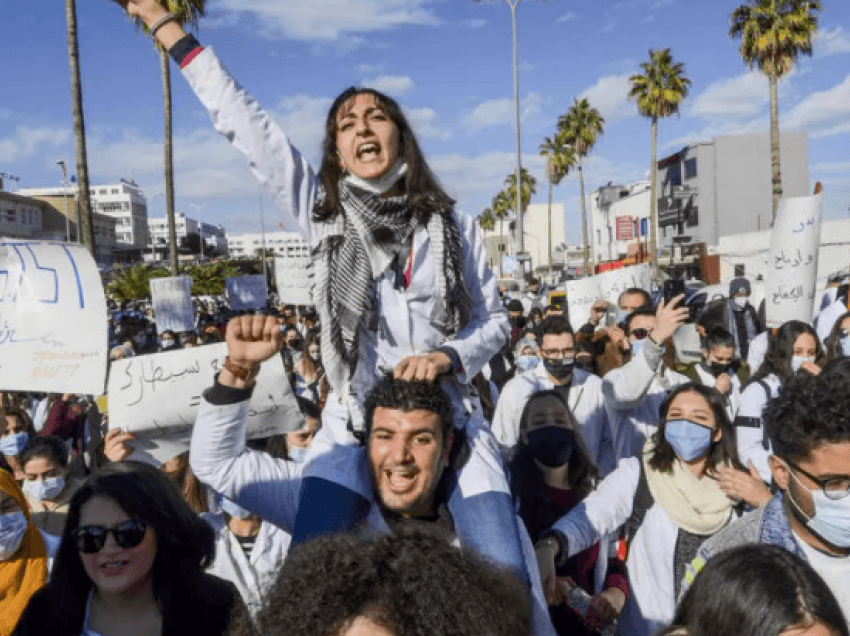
374,233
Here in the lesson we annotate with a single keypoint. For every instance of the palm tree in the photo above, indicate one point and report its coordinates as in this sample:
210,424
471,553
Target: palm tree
658,91
133,283
560,158
579,128
487,220
187,13
774,33
86,228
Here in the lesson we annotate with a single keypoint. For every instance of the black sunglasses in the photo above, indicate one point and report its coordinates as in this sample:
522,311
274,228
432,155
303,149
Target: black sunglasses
640,334
128,534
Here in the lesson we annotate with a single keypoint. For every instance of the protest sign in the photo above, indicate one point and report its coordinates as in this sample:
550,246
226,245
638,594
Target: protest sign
171,297
581,294
156,397
52,319
294,277
793,260
246,292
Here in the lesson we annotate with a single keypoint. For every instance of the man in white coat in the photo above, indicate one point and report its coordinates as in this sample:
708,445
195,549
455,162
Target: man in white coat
634,392
582,392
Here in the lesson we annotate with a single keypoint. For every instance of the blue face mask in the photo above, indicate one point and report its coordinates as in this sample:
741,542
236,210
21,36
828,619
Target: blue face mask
688,439
13,527
298,455
831,520
527,363
44,489
235,510
797,362
12,445
845,347
637,347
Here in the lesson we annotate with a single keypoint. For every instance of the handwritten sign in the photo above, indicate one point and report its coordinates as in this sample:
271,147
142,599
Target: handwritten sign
246,292
294,277
583,292
790,280
172,303
52,319
157,396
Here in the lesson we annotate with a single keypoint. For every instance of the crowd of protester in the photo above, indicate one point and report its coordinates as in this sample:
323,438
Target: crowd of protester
469,463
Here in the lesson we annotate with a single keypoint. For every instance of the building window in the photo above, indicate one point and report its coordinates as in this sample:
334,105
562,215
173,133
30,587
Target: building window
740,270
692,214
690,168
674,174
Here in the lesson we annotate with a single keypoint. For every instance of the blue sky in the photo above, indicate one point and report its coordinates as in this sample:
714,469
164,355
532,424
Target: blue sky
449,64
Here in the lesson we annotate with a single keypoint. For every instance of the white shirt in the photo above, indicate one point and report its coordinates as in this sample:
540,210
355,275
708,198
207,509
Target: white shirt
835,571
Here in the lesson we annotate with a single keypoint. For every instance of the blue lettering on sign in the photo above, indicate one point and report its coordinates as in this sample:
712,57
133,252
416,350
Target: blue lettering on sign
44,279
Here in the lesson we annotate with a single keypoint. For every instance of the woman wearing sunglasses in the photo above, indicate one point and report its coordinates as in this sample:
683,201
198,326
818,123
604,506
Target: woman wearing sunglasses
131,561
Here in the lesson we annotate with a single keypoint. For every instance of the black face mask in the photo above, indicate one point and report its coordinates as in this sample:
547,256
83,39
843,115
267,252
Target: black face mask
551,445
717,368
519,321
559,368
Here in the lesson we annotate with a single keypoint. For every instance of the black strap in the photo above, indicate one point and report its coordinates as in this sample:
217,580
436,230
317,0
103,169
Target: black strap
643,501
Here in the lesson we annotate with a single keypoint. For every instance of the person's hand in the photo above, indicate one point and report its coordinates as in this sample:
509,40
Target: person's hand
115,446
743,486
428,367
723,383
253,339
598,311
810,367
668,318
66,397
604,608
619,338
552,588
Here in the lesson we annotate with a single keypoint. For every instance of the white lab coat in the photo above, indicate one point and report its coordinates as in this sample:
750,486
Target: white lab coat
749,427
733,398
586,402
252,577
757,351
633,395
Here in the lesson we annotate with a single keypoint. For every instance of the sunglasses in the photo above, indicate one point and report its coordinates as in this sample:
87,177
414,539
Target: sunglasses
128,534
640,334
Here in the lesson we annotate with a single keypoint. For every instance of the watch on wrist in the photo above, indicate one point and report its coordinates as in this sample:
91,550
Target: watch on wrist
246,374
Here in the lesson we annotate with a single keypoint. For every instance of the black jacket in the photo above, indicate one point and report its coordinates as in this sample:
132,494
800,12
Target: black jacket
203,608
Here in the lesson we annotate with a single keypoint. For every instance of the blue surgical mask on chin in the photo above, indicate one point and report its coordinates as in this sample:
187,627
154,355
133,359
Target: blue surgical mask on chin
831,520
12,445
235,510
298,455
688,439
527,363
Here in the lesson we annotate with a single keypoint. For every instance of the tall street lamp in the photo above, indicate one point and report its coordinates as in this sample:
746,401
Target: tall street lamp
65,197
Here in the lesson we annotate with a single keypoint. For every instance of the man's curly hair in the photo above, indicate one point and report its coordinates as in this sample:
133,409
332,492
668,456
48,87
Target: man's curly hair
391,393
411,582
809,412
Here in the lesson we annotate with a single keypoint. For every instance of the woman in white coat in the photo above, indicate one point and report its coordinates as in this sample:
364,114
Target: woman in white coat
668,498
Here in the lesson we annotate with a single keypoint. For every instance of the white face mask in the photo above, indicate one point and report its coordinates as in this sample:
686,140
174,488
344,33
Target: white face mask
313,352
741,301
797,362
44,489
13,527
298,454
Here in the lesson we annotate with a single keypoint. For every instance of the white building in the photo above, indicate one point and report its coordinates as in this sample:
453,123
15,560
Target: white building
536,236
213,235
618,216
122,201
280,243
20,217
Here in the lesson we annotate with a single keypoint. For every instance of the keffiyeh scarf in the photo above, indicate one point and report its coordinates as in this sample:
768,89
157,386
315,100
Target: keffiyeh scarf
374,233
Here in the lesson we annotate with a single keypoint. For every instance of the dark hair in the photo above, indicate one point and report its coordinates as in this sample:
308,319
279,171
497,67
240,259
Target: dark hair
391,393
168,332
193,491
185,544
308,408
719,337
723,451
528,487
22,416
640,311
411,581
515,305
833,340
535,311
49,447
809,412
553,326
647,299
555,308
758,590
423,190
780,350
309,366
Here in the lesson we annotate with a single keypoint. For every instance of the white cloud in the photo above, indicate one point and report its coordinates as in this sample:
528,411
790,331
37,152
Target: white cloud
822,114
733,97
327,20
831,42
424,122
302,117
474,179
477,23
569,15
497,112
393,85
369,69
610,96
607,28
27,142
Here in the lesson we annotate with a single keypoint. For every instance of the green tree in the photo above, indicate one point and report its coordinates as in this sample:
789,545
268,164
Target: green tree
527,190
208,278
133,283
187,13
658,91
579,128
774,33
559,159
487,220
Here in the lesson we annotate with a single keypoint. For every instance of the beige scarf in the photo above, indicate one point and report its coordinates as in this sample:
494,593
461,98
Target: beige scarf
695,505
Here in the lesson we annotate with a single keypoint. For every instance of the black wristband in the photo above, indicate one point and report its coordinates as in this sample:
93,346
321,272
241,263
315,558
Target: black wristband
183,47
221,395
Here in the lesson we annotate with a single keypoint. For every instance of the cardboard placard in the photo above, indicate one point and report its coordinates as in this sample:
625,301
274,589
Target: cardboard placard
171,297
247,292
294,278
